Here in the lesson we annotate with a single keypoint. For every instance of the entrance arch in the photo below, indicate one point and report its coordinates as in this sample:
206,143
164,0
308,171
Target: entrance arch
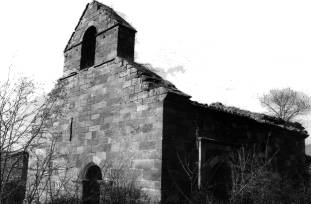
91,187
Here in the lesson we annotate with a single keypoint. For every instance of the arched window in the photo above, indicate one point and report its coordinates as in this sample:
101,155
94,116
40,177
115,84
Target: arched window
88,48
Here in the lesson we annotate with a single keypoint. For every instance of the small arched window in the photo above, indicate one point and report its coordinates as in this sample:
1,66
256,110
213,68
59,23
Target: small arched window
88,48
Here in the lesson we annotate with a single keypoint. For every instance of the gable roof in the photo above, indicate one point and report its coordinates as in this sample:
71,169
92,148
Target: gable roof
118,20
257,117
148,74
114,15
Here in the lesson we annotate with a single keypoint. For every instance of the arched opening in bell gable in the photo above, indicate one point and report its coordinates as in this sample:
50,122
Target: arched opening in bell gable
88,48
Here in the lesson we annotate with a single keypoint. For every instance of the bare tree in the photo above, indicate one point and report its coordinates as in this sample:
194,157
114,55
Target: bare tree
286,103
50,175
24,118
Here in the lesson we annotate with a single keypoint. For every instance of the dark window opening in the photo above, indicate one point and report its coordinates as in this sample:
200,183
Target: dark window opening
88,48
70,129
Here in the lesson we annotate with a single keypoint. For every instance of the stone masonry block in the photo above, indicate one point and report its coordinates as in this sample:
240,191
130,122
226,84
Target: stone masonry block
145,164
147,145
101,155
147,127
88,135
94,128
105,126
152,174
142,107
115,147
126,84
149,184
95,116
80,149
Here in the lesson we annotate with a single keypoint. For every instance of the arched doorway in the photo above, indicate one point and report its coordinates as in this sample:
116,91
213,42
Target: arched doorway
91,187
220,181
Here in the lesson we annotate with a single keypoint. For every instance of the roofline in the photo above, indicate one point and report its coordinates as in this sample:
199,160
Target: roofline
77,25
289,126
127,25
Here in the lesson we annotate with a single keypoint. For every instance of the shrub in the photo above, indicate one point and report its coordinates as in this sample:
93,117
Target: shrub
253,180
127,192
65,199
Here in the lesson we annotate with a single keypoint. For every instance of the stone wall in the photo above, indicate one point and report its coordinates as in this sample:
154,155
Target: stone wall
116,117
221,132
113,116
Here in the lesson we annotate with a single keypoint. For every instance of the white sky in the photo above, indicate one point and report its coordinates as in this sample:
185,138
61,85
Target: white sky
231,51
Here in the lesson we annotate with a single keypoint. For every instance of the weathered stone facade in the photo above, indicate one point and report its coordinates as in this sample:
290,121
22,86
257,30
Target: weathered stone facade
119,111
207,132
115,106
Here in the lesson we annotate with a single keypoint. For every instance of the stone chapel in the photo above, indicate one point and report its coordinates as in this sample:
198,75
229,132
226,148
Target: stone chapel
121,112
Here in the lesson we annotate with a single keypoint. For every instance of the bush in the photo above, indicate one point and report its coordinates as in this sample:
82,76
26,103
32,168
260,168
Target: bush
65,199
127,192
110,192
253,180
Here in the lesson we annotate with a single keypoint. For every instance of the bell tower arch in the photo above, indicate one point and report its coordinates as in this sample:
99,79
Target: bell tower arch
88,48
100,36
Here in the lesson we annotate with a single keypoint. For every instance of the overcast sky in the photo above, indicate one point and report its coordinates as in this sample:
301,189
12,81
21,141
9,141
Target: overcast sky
231,51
